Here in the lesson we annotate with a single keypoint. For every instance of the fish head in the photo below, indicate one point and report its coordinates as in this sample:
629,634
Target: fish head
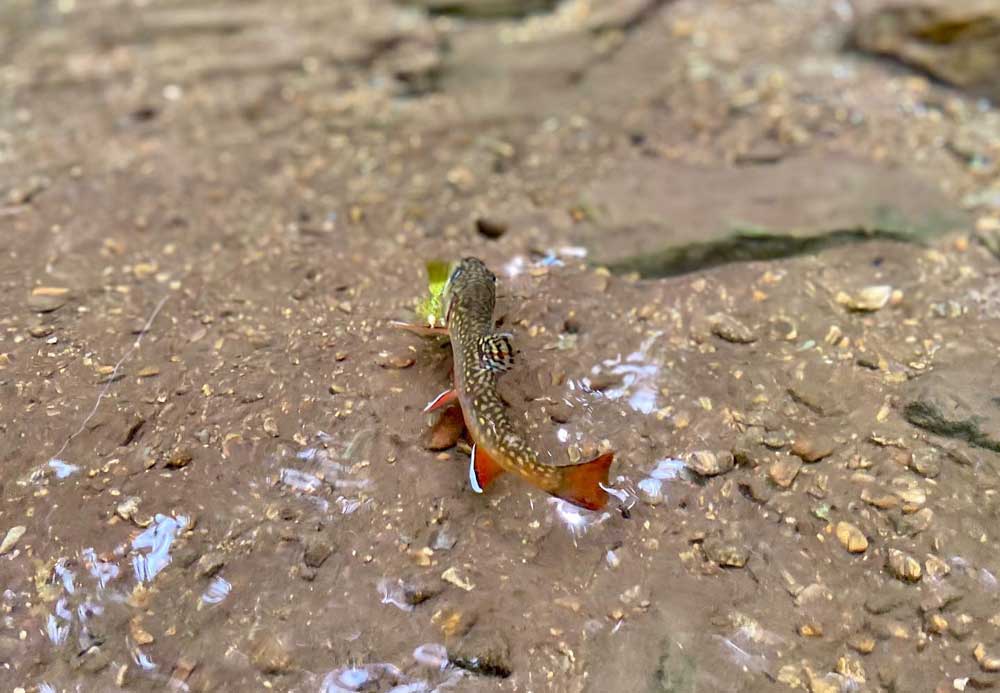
470,285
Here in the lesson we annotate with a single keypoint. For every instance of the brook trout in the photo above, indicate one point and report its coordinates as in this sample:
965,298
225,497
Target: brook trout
481,355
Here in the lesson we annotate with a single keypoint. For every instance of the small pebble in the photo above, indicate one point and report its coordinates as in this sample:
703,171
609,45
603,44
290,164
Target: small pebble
852,538
936,623
708,463
179,458
210,564
987,661
317,550
902,566
10,540
813,449
271,426
728,552
451,576
868,299
784,471
936,567
924,461
852,669
397,362
730,329
862,644
46,299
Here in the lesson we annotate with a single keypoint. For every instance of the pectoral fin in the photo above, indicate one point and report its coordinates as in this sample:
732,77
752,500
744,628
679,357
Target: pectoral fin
446,398
482,469
496,352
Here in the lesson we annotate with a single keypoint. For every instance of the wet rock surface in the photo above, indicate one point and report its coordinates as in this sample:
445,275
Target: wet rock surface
956,41
759,267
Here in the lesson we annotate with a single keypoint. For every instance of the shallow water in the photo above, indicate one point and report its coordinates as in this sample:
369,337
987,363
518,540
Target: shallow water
216,472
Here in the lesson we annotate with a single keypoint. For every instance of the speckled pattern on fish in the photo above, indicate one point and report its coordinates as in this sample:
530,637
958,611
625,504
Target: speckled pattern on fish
469,300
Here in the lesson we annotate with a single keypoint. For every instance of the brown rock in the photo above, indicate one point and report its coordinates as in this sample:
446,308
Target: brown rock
851,668
784,471
708,463
179,458
211,563
916,523
903,566
881,500
925,462
988,661
852,538
861,643
936,623
867,299
11,538
317,550
956,41
139,634
732,330
757,488
727,550
830,683
397,362
936,567
46,299
813,448
446,430
811,629
453,623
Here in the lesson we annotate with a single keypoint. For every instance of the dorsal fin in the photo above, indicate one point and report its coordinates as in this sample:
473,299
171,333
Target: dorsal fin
496,352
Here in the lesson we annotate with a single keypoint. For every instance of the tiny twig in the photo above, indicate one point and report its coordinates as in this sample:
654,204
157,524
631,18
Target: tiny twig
111,378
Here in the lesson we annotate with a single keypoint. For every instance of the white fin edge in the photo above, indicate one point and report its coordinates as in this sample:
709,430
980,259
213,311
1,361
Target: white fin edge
473,481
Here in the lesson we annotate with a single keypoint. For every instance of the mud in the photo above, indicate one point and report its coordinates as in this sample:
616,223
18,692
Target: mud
215,472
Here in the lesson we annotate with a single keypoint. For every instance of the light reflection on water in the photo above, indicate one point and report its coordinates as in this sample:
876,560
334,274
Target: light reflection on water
325,472
216,591
152,555
384,676
576,519
158,538
666,469
553,257
62,469
639,372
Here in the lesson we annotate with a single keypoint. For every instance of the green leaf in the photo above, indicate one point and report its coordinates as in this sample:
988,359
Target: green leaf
438,272
430,308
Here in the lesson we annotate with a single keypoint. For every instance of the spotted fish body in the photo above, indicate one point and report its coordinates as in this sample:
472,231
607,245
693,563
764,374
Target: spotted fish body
480,356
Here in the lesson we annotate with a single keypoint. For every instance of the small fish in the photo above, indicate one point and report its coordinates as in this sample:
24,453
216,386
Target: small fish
481,356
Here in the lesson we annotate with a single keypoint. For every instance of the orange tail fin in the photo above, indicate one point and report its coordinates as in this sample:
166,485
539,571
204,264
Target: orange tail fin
581,483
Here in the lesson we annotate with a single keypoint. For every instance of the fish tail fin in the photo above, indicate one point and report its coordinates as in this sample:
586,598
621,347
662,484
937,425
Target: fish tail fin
581,483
